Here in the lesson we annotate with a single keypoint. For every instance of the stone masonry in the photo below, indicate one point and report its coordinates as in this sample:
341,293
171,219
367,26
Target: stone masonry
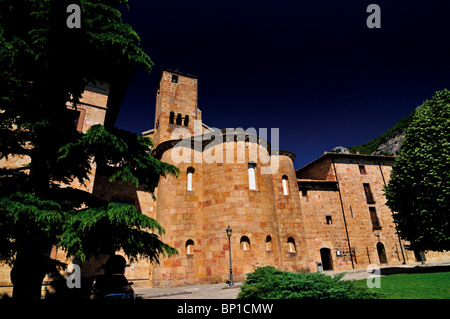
331,211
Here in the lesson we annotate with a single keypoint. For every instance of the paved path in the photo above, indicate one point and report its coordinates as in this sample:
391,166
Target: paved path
223,291
203,291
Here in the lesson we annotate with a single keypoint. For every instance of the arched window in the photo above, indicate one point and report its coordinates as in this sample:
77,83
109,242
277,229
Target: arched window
291,244
268,243
172,118
186,120
179,119
190,173
189,247
251,176
284,180
245,243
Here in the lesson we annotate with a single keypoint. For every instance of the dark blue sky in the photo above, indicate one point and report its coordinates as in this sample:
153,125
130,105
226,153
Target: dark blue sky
313,69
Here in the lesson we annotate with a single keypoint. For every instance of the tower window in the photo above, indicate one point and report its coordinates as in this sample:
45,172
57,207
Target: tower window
179,119
291,244
269,243
328,220
189,247
186,120
172,118
245,243
251,176
285,185
190,173
174,78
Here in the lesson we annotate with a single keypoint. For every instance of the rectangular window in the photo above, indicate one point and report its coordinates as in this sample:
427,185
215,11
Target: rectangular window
328,220
189,181
190,173
362,169
251,176
285,186
369,195
374,218
174,78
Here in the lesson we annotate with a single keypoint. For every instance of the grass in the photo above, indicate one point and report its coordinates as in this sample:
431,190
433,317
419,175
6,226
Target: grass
413,286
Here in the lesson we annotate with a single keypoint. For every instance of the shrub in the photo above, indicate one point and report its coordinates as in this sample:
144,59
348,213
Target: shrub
270,283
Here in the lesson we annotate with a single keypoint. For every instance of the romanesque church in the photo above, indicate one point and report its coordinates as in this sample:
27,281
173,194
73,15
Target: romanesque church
328,215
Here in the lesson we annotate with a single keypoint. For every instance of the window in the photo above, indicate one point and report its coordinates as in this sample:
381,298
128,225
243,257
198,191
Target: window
179,119
189,247
186,120
328,220
190,172
362,169
285,185
245,243
369,195
174,78
374,218
251,176
291,244
269,243
172,118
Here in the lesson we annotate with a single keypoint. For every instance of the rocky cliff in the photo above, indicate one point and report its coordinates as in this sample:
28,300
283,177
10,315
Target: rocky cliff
388,143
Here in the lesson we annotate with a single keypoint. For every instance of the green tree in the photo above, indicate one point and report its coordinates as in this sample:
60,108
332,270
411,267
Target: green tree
419,188
45,64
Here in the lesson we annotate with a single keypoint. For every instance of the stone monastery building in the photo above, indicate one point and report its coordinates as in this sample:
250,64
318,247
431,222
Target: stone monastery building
331,211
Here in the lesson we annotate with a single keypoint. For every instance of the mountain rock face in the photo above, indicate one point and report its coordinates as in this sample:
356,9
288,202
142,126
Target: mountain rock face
390,146
340,149
388,143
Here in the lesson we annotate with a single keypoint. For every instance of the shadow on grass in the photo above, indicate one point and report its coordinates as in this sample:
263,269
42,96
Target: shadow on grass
414,270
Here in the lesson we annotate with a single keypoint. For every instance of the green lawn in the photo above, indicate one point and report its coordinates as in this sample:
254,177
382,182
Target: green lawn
414,286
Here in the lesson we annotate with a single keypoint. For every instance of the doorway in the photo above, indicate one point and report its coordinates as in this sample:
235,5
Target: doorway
381,253
327,261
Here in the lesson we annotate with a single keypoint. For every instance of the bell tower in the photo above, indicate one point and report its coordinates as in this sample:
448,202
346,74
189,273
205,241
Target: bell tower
176,105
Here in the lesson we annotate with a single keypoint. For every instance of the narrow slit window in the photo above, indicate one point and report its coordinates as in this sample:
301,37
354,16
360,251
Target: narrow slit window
172,118
284,180
186,120
374,218
251,176
269,243
190,173
369,195
179,120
